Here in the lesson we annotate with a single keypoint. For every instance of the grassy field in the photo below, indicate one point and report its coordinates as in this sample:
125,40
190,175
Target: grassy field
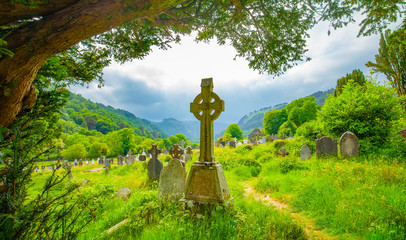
274,197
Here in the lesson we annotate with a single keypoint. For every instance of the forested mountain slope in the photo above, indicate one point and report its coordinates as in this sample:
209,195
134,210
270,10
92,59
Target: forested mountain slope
254,119
84,116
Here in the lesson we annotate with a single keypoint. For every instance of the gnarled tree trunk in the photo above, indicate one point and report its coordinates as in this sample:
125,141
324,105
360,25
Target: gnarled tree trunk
62,25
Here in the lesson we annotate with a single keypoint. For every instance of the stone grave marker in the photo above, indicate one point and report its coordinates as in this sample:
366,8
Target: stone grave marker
206,182
402,132
68,167
154,164
188,155
262,140
107,166
349,145
87,162
172,179
92,161
177,152
305,153
142,156
42,168
290,136
182,143
326,146
80,162
239,144
245,141
120,160
232,143
36,169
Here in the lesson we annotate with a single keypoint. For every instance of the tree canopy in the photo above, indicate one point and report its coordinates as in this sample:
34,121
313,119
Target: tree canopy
87,35
233,131
391,59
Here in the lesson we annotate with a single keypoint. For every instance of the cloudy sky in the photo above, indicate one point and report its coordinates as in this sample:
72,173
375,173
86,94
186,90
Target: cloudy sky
164,83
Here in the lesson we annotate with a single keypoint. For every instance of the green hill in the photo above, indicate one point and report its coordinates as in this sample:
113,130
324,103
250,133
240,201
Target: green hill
171,126
87,117
254,119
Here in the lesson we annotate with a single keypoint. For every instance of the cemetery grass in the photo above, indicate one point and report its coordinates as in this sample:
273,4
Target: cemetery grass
147,217
359,198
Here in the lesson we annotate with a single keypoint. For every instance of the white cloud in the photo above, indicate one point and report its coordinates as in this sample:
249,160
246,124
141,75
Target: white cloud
170,79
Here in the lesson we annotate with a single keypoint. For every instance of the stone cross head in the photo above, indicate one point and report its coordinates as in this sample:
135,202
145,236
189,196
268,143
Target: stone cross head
176,151
207,107
154,151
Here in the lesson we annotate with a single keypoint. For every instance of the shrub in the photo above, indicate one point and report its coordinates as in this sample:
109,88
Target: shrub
368,111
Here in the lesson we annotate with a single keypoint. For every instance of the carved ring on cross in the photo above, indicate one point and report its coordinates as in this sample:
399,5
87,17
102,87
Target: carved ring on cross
215,106
176,151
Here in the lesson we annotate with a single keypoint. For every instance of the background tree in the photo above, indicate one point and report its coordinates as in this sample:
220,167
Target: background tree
233,131
391,59
87,35
302,110
369,112
287,128
356,76
273,120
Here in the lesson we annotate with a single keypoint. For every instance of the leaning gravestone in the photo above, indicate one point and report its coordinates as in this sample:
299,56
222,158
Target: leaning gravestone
305,153
402,132
172,179
154,164
349,145
143,156
206,182
326,146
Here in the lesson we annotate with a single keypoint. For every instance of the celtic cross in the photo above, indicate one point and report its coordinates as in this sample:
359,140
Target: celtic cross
176,151
207,107
154,151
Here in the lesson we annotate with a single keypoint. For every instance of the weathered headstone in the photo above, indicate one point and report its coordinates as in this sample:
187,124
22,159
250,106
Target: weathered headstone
305,153
154,164
245,141
239,144
402,132
262,140
87,162
182,143
68,167
107,166
75,163
232,143
349,145
172,179
92,161
120,160
326,146
124,193
206,182
80,162
142,156
188,155
42,167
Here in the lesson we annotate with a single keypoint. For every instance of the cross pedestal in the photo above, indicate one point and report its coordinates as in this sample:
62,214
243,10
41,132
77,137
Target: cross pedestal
206,182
